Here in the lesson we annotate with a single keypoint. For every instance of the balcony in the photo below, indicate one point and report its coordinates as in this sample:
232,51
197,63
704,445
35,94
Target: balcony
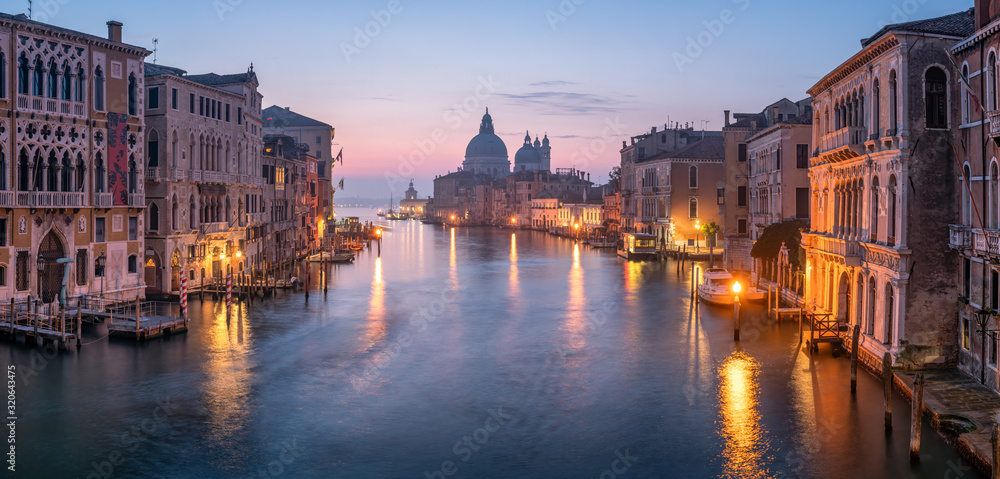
212,228
176,173
843,144
49,199
52,106
959,237
137,200
851,251
152,173
986,242
102,200
994,117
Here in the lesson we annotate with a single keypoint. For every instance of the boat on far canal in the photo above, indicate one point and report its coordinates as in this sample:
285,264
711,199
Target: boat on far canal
637,247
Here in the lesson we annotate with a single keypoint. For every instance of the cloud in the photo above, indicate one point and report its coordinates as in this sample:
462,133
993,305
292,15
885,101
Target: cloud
552,83
564,103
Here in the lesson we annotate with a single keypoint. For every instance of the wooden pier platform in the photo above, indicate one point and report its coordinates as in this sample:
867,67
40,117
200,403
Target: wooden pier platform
149,327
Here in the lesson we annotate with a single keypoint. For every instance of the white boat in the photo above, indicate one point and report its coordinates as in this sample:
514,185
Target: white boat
331,258
716,286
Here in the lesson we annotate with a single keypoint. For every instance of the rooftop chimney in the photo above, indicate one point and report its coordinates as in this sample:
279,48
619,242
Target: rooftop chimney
654,130
115,31
753,126
727,117
774,114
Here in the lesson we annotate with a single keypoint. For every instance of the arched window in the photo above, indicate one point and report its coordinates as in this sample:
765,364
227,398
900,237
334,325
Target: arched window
935,95
154,217
38,171
133,93
53,173
174,217
133,176
3,75
966,196
98,89
890,204
191,213
23,172
889,309
67,83
38,79
893,104
991,81
3,172
870,323
133,264
22,74
53,86
966,112
154,149
873,218
80,91
693,176
693,208
991,209
81,173
876,108
99,174
66,173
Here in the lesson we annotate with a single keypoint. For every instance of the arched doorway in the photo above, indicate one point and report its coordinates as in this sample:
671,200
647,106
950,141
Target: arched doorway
50,273
175,271
844,299
152,277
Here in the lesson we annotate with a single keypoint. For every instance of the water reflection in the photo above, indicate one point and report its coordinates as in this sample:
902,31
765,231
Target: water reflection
228,383
375,328
576,305
745,439
515,286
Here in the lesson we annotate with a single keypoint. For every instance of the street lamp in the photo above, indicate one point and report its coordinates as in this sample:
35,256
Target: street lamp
736,311
697,229
41,277
983,320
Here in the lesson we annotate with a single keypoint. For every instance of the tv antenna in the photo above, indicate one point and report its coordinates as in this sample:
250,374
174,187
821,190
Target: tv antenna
156,42
29,9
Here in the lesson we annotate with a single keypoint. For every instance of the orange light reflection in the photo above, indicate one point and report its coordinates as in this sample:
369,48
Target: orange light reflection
746,442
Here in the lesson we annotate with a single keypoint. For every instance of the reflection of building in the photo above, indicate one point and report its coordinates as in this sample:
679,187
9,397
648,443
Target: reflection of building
411,205
202,177
882,192
71,160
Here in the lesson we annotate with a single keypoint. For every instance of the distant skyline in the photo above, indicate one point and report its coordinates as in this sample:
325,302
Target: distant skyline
400,78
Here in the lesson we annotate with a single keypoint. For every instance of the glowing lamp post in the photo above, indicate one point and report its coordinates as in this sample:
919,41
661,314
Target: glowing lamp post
736,311
378,236
576,230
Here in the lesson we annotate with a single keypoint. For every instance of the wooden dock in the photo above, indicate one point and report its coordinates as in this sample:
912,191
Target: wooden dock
39,329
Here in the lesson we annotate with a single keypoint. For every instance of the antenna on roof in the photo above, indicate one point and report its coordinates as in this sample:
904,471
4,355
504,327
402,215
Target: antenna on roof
156,41
29,9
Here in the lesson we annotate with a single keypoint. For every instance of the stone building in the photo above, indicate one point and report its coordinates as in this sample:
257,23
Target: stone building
777,188
203,163
319,138
287,232
486,153
882,179
735,226
72,145
975,180
641,148
412,205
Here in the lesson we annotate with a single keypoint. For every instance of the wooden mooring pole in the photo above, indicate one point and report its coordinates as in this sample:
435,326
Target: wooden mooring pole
916,420
887,389
995,442
79,322
855,338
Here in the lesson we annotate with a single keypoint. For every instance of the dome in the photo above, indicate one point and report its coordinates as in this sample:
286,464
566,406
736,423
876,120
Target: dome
486,145
527,155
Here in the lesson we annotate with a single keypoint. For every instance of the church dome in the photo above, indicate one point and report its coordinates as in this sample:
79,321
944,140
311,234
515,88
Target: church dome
486,145
527,155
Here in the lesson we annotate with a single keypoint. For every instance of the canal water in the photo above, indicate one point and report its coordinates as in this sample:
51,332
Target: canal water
464,353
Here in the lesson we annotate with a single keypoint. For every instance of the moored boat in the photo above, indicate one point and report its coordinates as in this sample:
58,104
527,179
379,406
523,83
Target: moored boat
636,246
717,287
